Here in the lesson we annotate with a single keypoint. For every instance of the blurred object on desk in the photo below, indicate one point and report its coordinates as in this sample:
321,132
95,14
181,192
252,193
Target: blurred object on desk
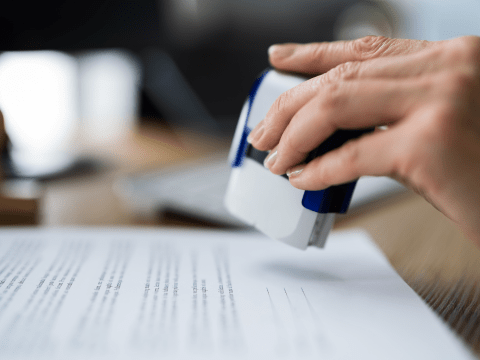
18,211
38,98
90,199
55,104
419,19
368,18
3,138
19,203
109,93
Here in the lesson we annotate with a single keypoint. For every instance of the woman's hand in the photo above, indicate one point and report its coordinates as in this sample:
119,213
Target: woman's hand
425,94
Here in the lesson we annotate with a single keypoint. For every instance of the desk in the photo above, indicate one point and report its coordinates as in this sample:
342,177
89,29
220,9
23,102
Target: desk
427,250
432,256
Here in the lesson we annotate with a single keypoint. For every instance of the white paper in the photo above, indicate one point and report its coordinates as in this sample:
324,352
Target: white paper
149,294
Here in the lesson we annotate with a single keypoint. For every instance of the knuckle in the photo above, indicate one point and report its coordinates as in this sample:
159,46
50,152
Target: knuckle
464,51
324,172
456,83
315,51
325,175
370,46
436,54
402,166
407,161
416,169
351,157
469,47
331,97
345,71
460,82
290,143
280,104
435,131
417,159
441,129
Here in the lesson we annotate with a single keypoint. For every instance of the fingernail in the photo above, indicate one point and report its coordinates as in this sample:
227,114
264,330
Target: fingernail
294,171
255,134
281,51
270,159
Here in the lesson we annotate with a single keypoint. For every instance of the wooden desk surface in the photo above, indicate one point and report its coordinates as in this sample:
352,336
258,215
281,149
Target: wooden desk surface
432,256
426,249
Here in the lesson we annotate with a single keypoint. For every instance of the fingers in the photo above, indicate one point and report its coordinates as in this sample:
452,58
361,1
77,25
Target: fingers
280,113
289,102
318,58
348,105
347,163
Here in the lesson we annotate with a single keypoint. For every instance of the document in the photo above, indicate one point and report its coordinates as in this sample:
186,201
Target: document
176,294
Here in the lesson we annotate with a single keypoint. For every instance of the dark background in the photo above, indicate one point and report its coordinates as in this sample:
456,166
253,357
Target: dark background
219,66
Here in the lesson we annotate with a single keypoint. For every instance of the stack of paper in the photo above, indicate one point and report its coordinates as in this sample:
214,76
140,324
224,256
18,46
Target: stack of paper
149,294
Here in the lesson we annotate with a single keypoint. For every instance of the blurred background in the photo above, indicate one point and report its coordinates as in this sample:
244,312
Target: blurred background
121,113
107,93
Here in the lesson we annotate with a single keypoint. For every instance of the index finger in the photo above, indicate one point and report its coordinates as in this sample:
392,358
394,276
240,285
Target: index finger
318,58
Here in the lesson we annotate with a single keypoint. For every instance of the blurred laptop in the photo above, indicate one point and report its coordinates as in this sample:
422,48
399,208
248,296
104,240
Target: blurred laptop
196,191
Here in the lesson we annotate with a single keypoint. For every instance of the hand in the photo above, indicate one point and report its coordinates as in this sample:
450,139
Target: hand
426,95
